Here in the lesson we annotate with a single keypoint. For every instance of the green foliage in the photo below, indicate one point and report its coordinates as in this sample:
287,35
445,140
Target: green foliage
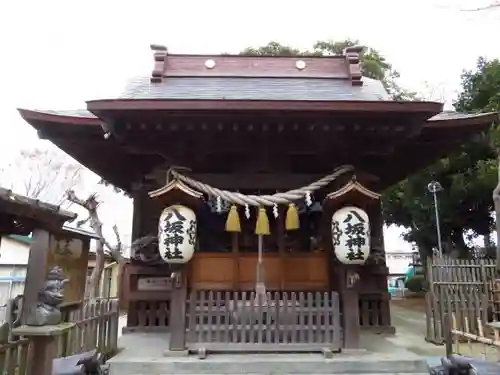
373,63
480,88
416,284
468,177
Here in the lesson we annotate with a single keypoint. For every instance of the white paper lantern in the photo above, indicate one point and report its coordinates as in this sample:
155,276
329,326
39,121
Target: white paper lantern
351,235
177,234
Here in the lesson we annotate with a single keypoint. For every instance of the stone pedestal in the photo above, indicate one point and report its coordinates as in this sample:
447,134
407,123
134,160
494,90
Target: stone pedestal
44,341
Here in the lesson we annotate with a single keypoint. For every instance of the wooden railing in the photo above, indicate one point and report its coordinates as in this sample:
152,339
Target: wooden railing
147,316
374,312
148,308
96,327
14,353
484,342
279,321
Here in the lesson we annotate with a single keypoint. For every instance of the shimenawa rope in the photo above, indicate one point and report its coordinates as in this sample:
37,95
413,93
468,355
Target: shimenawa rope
262,200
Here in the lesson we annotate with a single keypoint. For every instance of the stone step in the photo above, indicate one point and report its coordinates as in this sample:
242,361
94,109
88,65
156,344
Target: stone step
146,354
257,365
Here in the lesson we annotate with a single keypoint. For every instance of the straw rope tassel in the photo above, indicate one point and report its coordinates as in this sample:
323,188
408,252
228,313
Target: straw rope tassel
292,218
233,220
262,224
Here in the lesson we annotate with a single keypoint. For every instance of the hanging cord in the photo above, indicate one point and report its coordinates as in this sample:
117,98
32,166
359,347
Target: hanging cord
262,200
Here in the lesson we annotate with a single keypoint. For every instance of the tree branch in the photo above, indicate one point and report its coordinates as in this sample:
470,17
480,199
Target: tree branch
495,4
91,204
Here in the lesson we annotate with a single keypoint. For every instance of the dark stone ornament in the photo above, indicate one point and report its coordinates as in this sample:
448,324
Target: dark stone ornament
145,251
50,297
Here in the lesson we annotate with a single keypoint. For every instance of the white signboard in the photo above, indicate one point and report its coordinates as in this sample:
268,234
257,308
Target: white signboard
145,284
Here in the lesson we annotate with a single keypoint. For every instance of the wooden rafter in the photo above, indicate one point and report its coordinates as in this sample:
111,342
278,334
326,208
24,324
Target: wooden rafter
353,186
176,192
176,185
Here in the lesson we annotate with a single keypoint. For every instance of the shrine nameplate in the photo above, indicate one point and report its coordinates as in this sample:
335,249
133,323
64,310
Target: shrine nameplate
71,255
148,284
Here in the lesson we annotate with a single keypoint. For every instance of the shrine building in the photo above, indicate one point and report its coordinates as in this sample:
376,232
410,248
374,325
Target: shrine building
256,184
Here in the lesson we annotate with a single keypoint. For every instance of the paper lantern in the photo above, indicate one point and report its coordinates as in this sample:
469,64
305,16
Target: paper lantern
351,235
177,234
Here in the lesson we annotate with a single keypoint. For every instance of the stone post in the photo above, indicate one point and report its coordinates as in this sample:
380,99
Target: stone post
44,345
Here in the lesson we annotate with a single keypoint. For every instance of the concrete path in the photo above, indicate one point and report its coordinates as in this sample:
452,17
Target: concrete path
410,334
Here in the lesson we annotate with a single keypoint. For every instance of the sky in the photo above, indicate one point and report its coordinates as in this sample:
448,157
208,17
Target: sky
58,54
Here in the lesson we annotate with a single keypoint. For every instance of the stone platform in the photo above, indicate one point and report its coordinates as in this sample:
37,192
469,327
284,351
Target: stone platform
144,354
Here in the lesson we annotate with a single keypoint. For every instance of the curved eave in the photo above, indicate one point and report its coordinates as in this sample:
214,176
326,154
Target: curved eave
80,136
98,106
34,115
445,119
440,136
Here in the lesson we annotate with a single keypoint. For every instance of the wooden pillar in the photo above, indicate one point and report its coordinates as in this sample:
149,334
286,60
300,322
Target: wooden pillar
140,203
349,297
380,271
36,271
137,219
235,251
177,319
281,246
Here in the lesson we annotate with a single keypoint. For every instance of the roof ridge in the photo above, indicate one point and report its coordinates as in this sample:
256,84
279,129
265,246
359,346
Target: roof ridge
345,66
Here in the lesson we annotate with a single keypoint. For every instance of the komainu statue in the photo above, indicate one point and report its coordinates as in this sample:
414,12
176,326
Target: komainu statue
47,310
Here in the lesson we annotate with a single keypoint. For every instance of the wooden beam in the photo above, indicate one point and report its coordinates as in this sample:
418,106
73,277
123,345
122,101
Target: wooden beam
380,128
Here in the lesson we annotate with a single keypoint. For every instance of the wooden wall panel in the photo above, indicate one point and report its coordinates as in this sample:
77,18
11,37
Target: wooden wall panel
212,271
306,272
72,256
248,271
229,271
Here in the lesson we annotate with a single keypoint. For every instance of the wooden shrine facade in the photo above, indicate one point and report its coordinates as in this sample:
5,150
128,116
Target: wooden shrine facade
256,126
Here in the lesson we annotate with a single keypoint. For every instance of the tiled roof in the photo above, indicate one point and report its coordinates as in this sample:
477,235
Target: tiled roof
12,200
83,113
451,115
69,112
236,88
20,214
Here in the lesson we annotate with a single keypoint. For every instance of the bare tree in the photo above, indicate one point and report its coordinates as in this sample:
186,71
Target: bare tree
52,176
45,174
494,4
433,92
91,205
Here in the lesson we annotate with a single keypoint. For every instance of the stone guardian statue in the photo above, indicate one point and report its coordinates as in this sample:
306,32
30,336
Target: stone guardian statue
50,297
